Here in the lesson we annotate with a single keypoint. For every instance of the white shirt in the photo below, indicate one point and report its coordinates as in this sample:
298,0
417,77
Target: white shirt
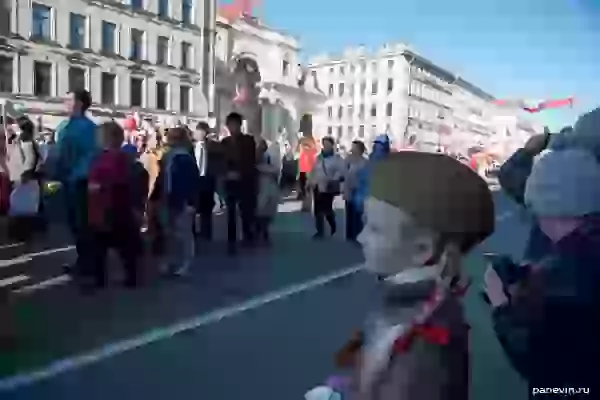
201,159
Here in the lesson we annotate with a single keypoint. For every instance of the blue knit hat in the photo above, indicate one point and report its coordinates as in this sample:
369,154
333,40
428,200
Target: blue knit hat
564,183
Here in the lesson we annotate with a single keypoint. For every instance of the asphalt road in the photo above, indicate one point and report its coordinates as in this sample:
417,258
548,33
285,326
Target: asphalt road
272,336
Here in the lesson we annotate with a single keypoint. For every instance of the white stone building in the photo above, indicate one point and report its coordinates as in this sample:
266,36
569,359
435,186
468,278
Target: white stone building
260,66
396,91
151,56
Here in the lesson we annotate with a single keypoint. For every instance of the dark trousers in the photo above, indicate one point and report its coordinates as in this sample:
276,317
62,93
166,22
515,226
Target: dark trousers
76,200
126,240
242,194
354,221
302,185
206,204
323,209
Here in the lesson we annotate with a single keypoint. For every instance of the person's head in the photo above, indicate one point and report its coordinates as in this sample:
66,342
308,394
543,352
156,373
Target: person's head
358,148
562,189
78,102
381,147
328,144
26,128
177,137
202,131
234,123
412,220
110,135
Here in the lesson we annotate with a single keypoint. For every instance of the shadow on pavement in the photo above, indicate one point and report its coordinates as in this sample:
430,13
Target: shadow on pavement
60,321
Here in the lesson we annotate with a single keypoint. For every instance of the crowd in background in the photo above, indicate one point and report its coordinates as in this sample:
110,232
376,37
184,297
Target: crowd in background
149,190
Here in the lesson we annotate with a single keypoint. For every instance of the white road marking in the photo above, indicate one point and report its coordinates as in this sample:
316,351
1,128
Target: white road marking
48,283
11,245
13,279
15,261
114,349
24,258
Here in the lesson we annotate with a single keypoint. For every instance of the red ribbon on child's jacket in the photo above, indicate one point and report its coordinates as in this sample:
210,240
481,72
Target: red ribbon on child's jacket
433,334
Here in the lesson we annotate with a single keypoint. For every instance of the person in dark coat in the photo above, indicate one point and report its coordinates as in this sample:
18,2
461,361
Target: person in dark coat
548,323
240,181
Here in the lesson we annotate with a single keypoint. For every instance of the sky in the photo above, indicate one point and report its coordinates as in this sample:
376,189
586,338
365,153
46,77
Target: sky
530,49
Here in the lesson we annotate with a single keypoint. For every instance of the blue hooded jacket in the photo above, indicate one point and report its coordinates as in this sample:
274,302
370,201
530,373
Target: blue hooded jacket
75,149
381,148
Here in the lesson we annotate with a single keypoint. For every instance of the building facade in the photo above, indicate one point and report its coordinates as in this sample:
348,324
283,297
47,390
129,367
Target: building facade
148,56
417,103
258,74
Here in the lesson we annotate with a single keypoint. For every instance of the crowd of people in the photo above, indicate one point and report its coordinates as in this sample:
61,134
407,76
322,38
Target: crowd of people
118,183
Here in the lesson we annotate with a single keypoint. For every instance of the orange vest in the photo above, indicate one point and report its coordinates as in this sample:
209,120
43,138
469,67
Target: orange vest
306,161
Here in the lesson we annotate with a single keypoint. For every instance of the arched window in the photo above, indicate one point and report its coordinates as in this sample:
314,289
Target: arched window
285,65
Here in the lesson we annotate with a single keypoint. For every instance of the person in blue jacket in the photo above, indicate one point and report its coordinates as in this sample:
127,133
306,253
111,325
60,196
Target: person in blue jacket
69,163
381,148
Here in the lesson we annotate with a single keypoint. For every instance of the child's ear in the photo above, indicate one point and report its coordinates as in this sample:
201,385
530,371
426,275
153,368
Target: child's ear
348,355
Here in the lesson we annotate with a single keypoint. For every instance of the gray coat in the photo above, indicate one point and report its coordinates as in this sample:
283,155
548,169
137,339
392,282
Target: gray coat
22,158
427,371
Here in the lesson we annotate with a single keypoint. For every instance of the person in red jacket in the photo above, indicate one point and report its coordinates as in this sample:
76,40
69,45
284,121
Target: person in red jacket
306,161
114,216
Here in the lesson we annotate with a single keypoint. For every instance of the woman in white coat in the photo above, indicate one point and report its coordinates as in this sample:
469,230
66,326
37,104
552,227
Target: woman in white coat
269,169
325,180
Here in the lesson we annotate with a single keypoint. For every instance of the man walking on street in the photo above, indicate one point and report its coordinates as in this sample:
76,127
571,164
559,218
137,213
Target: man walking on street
70,162
207,156
241,181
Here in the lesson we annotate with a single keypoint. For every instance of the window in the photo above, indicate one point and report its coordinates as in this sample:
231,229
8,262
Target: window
373,130
42,79
137,44
341,89
162,50
352,68
361,111
77,31
285,67
5,19
136,92
361,131
363,87
109,36
163,8
108,88
373,110
390,85
330,112
162,90
329,130
374,66
374,87
187,11
390,64
76,79
186,55
350,111
342,71
41,24
331,70
351,88
331,89
137,4
184,98
340,132
363,66
388,109
350,131
6,74
340,112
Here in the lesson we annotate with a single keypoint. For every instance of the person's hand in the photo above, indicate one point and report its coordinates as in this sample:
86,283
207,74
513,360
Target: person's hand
537,143
494,288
